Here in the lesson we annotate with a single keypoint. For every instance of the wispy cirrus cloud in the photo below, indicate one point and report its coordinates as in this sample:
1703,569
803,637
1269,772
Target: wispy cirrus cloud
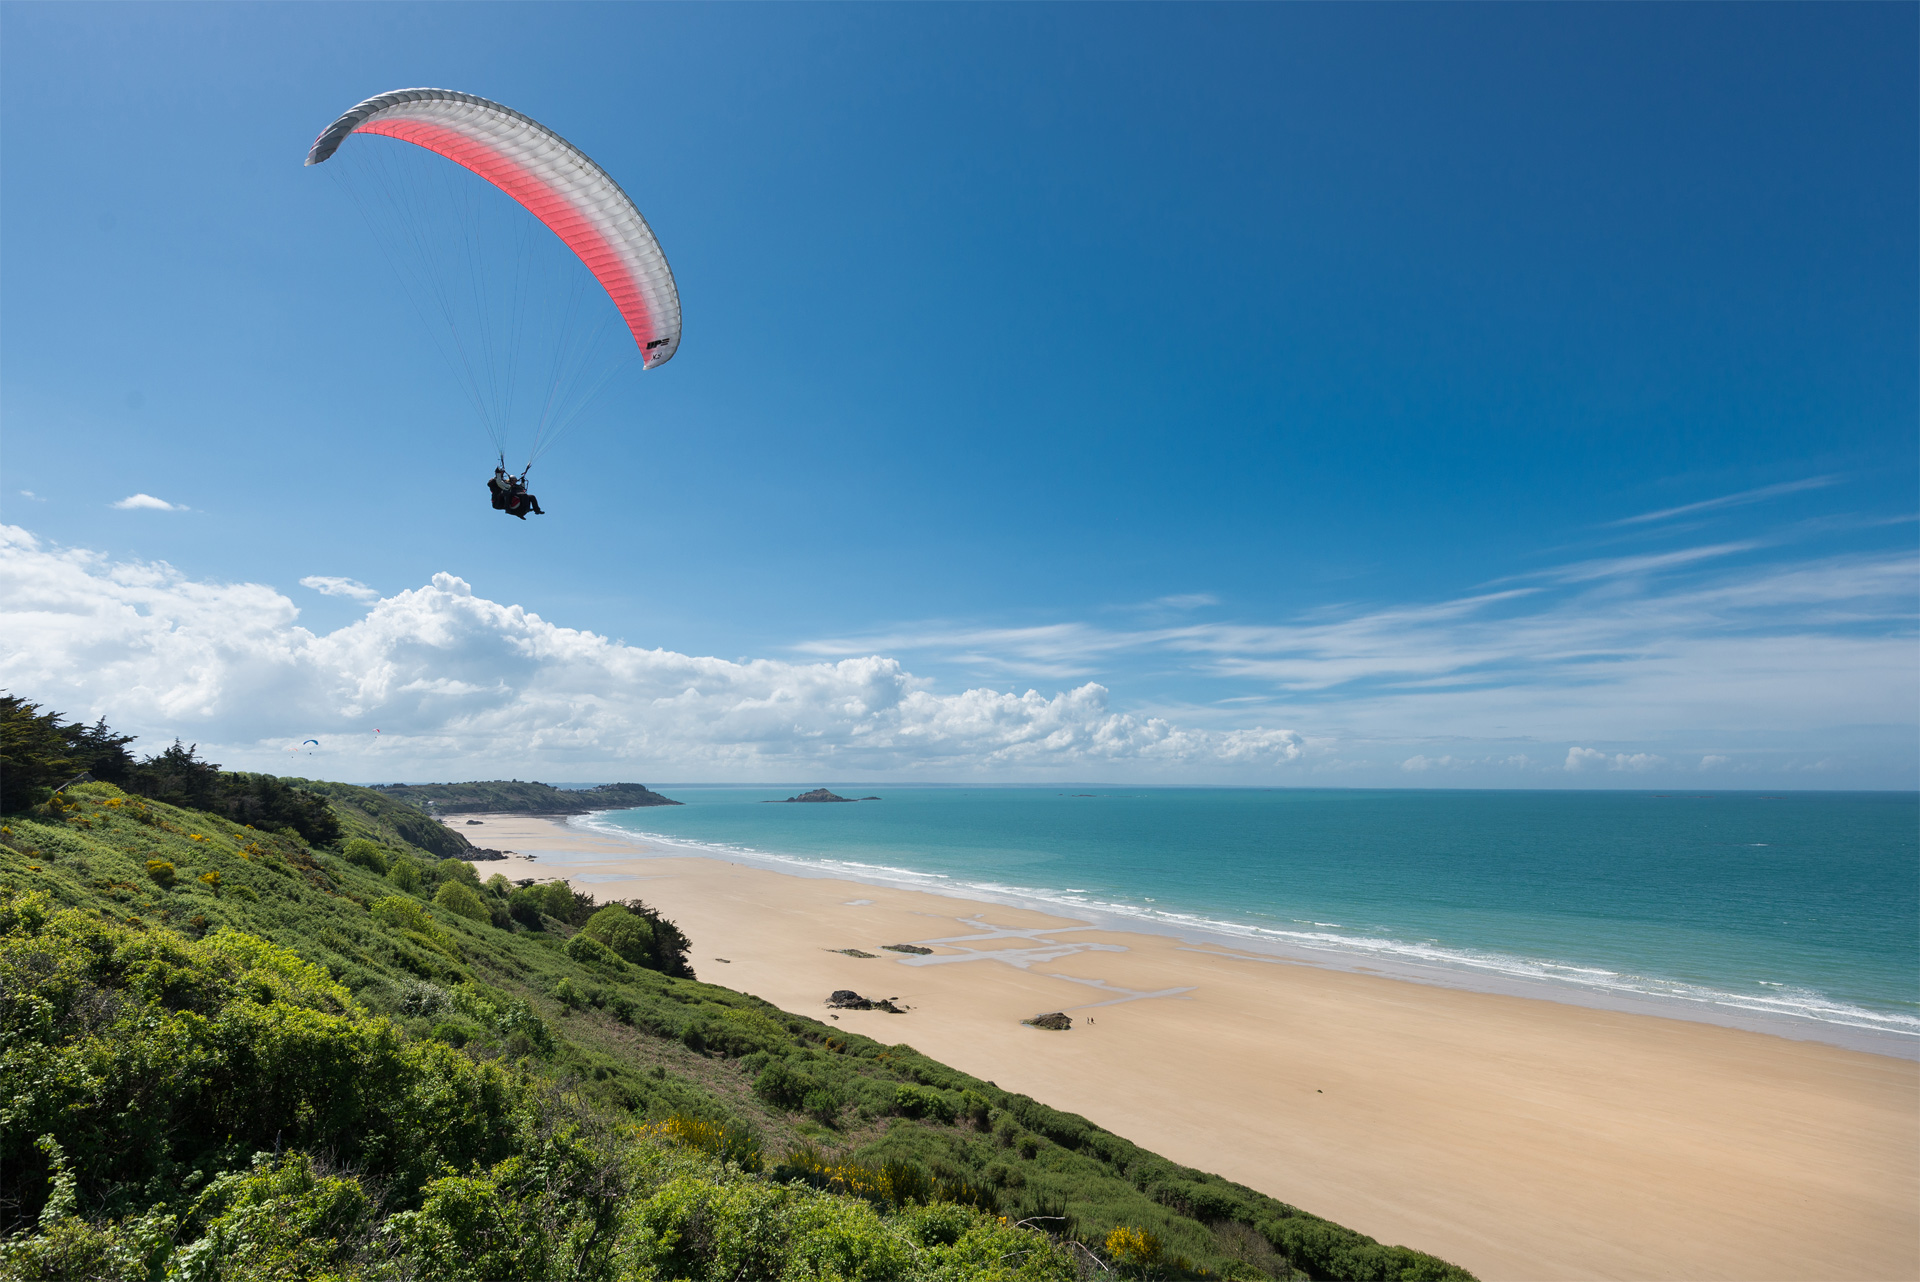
1694,640
1760,495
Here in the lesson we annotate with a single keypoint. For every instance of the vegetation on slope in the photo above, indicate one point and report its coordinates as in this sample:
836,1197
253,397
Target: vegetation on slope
511,796
232,1052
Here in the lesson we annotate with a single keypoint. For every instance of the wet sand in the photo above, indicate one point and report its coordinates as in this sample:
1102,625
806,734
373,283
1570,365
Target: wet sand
1518,1137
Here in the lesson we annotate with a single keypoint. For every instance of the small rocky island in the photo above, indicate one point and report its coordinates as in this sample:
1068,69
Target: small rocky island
818,794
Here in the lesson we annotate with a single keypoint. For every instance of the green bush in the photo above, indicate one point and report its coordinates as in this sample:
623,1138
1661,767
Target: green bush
162,872
624,932
918,1101
404,913
463,900
405,874
212,1050
367,855
589,951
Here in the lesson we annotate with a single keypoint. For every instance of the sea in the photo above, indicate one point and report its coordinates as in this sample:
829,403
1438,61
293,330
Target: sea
1795,913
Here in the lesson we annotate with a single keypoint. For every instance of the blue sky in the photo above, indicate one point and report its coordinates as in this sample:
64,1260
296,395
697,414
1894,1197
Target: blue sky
1425,394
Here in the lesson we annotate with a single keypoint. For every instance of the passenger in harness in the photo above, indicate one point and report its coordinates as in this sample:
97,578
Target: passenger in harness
509,494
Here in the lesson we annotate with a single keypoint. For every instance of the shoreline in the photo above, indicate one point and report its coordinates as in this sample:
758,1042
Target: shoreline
1517,1137
1457,971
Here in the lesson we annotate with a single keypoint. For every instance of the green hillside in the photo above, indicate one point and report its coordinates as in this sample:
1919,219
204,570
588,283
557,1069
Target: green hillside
512,796
239,1053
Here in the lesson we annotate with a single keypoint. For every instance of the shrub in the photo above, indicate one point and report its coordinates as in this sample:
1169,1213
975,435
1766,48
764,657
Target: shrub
781,1086
404,874
622,931
567,995
420,998
463,900
452,1034
731,1141
821,1104
162,872
1133,1246
403,913
918,1101
367,855
589,951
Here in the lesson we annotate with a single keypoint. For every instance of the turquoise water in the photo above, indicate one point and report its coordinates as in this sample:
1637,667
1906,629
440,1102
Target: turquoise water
1797,907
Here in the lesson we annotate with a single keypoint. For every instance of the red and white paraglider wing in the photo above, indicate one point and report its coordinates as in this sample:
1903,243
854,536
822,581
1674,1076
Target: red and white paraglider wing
556,182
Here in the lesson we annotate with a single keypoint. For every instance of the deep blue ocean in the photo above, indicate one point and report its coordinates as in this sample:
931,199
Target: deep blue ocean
1790,907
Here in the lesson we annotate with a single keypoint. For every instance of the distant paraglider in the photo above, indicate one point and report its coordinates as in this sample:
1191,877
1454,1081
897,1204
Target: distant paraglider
506,304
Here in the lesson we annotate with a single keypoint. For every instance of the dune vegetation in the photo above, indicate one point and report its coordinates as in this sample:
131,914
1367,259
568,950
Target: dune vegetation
241,1048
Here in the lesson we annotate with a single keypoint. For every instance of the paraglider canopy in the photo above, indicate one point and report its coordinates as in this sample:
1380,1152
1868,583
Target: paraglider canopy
553,179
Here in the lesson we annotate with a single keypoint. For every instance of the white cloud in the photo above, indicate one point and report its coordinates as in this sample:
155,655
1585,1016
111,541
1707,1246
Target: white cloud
1709,761
1731,500
147,501
458,683
1582,758
332,585
1782,650
1579,759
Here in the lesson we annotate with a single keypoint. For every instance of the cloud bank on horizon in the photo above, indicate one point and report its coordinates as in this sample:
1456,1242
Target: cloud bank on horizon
460,684
1598,674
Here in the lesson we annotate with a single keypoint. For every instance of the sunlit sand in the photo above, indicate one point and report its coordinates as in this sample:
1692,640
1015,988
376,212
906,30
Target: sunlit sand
1521,1138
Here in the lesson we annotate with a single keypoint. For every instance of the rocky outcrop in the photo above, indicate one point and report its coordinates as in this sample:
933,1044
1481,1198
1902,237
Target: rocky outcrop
1053,1022
907,948
847,999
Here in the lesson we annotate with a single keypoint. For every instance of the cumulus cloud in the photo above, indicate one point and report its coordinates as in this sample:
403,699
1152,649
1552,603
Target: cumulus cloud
332,585
1709,761
1579,759
146,501
458,682
1583,758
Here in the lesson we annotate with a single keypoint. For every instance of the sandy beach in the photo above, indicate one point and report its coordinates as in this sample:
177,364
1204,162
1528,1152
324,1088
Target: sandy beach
1521,1138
